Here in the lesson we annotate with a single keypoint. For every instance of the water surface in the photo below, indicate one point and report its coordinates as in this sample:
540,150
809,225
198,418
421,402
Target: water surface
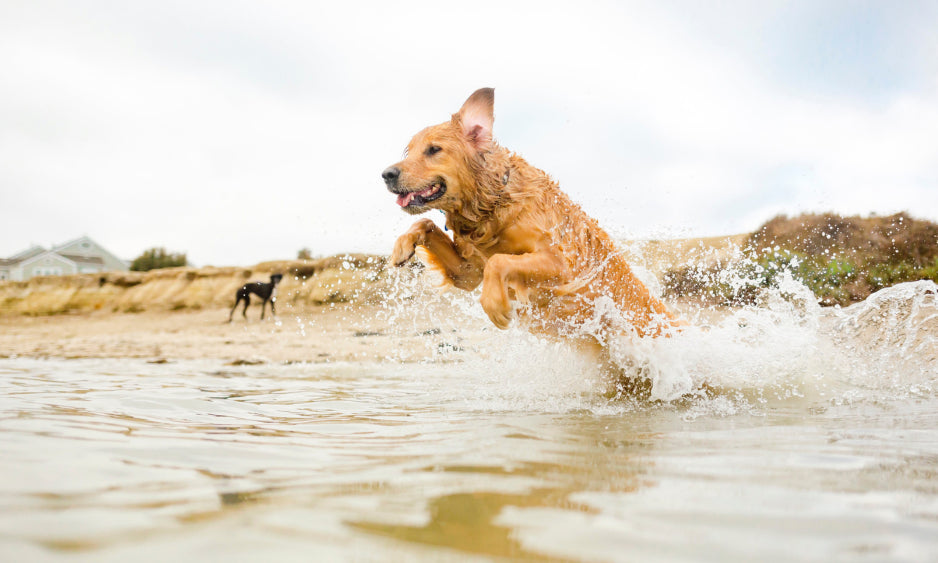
516,453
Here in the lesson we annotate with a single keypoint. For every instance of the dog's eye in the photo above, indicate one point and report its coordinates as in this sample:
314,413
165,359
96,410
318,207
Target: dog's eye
432,150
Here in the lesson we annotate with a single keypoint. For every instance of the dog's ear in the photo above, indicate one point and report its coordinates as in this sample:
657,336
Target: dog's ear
476,118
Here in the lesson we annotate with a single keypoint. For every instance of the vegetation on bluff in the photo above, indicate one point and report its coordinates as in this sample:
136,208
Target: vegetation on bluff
156,258
841,259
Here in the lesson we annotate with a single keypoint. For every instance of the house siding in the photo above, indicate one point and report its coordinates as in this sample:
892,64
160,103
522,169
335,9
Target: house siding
84,246
48,264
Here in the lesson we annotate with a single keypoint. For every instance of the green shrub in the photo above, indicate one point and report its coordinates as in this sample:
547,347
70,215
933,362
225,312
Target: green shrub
155,258
879,276
930,272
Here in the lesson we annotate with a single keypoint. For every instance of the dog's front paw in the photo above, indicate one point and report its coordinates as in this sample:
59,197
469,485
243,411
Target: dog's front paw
404,248
498,310
407,243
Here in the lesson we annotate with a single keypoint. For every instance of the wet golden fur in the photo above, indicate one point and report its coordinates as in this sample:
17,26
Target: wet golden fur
515,233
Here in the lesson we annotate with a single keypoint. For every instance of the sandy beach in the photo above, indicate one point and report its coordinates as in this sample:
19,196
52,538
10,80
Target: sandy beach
344,332
334,309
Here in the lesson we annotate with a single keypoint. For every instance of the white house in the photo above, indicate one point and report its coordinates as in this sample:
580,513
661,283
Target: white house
79,256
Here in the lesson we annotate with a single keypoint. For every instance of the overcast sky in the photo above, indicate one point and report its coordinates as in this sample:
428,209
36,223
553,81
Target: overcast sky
243,131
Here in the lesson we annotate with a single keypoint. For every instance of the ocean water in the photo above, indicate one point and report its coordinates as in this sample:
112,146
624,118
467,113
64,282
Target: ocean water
781,432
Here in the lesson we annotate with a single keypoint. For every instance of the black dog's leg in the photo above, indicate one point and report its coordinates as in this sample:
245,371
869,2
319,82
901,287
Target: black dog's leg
272,301
237,300
263,306
247,301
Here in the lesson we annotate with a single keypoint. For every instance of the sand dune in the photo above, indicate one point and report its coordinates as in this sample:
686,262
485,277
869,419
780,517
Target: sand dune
311,283
306,284
341,308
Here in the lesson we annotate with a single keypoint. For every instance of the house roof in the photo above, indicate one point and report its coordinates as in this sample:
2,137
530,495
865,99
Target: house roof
71,242
36,250
99,249
30,252
74,259
47,254
84,259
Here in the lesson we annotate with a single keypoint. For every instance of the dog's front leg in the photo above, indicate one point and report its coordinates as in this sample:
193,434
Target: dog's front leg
462,273
520,272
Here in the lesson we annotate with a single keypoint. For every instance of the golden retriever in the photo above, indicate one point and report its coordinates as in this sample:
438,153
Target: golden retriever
515,233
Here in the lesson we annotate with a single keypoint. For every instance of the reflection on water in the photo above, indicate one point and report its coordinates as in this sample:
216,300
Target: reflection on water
116,459
468,520
465,522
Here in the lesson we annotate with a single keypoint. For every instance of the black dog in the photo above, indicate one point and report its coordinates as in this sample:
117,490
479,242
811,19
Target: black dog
266,291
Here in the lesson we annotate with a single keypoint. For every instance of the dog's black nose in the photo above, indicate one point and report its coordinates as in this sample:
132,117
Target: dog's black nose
390,175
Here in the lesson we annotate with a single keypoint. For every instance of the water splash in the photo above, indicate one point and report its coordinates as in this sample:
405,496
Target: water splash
891,340
789,348
782,349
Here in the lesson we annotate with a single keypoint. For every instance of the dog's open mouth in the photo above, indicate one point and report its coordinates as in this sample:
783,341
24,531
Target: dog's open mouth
422,197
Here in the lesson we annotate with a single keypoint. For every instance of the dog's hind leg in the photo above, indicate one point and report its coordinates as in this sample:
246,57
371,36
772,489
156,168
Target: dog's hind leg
263,306
247,301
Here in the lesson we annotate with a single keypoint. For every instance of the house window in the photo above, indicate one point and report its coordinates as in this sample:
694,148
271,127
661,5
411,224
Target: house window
48,271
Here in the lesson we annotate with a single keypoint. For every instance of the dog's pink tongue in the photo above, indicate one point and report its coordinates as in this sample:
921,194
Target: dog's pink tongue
404,199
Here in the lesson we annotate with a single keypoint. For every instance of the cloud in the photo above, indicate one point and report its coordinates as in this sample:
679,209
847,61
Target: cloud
243,132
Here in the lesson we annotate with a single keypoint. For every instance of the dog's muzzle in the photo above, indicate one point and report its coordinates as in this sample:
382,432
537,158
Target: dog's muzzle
391,176
408,198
